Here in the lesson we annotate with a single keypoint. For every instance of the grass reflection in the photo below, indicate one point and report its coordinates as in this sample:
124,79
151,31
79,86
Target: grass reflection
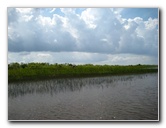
68,84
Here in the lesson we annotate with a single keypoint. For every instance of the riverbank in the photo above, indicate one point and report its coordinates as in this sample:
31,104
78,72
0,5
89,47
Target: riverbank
38,71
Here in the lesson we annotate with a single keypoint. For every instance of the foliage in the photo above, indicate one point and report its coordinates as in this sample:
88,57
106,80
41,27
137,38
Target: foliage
34,71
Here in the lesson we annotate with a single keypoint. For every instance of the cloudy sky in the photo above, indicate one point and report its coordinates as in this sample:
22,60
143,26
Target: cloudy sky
83,35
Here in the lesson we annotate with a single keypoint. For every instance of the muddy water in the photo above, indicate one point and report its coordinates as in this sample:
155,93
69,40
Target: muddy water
127,97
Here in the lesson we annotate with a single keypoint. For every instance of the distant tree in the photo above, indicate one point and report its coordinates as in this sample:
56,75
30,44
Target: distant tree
23,65
14,65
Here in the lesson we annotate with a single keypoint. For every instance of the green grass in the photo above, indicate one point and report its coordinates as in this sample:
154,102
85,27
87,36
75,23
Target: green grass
37,71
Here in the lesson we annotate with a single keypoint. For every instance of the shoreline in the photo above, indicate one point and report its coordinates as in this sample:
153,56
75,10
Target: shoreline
70,77
43,71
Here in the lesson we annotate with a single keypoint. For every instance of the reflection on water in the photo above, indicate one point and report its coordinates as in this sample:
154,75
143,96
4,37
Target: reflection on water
128,97
62,85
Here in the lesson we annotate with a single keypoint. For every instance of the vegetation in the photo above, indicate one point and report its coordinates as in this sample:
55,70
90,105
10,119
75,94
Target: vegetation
35,71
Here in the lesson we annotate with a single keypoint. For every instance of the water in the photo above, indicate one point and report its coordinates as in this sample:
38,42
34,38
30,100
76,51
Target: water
127,97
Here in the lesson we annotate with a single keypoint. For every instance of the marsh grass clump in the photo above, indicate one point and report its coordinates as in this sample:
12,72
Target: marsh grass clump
36,71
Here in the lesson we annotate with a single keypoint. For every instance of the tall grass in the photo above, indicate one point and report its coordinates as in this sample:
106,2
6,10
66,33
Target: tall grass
34,71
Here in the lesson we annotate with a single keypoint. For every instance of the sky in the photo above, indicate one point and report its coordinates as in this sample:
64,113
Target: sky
113,36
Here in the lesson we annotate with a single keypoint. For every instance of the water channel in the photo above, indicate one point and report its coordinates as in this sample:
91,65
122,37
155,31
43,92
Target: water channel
125,97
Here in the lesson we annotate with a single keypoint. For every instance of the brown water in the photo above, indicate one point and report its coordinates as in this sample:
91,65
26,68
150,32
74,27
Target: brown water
127,97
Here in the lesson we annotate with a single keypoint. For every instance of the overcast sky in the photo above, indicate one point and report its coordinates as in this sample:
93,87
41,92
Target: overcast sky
83,35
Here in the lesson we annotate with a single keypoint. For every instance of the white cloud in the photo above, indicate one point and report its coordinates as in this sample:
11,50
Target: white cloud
151,23
94,30
52,10
81,58
104,40
129,59
43,55
117,10
44,20
56,57
27,17
24,10
89,18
